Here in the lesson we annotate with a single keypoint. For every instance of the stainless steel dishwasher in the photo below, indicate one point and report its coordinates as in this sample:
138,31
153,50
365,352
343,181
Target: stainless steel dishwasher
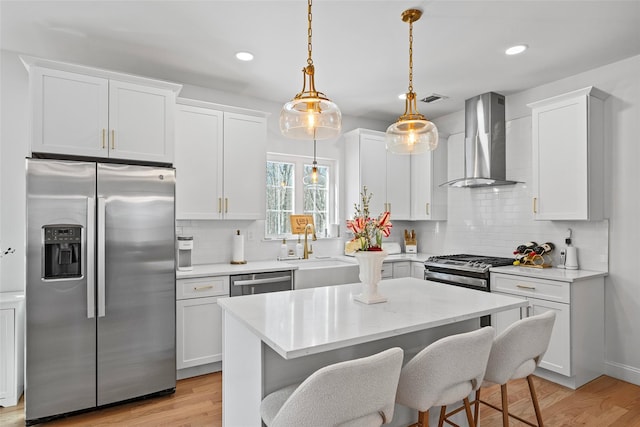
260,283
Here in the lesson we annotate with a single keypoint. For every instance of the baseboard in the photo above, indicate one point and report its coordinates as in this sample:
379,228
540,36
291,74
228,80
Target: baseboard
622,372
198,370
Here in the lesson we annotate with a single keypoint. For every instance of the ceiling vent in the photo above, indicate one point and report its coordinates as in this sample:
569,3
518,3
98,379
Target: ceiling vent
434,97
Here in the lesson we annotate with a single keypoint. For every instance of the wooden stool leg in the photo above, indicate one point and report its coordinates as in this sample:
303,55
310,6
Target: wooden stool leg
423,418
505,405
476,409
467,407
534,399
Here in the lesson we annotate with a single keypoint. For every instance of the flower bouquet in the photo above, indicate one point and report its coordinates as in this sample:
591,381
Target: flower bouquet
367,231
367,246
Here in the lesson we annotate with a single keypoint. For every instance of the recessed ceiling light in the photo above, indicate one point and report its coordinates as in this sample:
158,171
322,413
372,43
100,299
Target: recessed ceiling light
514,50
244,56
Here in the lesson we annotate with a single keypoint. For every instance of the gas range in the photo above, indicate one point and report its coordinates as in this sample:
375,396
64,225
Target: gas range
461,263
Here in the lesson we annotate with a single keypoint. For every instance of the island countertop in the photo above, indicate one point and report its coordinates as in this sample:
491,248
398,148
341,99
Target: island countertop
309,321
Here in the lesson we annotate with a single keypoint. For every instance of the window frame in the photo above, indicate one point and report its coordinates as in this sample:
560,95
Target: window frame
299,162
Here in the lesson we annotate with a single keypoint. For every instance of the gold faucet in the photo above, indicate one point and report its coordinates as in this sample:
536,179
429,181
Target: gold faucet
308,251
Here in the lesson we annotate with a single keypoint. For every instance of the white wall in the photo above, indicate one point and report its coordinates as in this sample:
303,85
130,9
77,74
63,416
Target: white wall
13,145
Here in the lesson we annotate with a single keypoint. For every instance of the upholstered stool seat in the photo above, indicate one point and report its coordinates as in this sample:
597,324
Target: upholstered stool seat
444,373
355,393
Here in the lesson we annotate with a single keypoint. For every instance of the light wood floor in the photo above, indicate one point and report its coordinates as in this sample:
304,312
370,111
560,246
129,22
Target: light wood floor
198,402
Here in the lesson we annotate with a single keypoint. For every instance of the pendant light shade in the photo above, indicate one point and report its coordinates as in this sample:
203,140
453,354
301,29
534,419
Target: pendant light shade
310,114
412,133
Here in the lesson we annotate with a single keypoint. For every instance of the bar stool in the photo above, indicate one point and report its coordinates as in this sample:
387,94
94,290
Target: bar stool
355,393
516,353
445,372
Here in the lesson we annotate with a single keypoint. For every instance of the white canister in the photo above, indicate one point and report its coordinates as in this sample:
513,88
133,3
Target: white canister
185,247
571,262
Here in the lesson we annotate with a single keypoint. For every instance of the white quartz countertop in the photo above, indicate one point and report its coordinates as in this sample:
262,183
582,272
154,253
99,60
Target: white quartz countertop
203,270
309,321
225,269
552,273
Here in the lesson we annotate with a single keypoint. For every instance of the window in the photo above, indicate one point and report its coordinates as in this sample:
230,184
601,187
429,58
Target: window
290,191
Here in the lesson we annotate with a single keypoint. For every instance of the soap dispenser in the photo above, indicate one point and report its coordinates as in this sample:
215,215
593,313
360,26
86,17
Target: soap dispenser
299,248
283,249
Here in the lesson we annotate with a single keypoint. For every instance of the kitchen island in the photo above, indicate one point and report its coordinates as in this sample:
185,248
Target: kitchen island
276,339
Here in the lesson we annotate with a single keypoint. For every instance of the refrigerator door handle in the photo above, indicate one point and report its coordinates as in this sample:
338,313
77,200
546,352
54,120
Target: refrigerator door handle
101,254
91,256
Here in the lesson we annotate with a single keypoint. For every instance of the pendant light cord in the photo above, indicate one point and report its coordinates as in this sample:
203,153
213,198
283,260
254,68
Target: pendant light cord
410,55
309,32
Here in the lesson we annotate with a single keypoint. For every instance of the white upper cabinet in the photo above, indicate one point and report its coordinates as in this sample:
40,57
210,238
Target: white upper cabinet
407,186
81,111
220,160
386,176
428,171
198,162
568,152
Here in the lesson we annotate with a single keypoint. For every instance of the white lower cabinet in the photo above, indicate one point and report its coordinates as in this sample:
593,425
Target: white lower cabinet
417,270
199,322
396,269
11,347
575,354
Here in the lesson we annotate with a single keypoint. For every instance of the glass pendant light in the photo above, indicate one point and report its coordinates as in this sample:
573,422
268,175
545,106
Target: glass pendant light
310,114
314,179
412,133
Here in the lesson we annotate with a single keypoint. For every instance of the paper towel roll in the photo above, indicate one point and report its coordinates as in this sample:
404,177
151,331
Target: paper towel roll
237,256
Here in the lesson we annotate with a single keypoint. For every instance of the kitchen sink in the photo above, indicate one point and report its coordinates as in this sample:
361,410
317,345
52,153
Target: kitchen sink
315,272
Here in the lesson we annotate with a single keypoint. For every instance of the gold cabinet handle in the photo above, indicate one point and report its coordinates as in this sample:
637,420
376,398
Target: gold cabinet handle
113,139
226,205
104,133
526,287
535,207
219,204
202,288
427,208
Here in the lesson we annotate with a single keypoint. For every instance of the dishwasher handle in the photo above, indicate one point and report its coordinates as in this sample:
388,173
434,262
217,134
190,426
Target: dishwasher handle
261,281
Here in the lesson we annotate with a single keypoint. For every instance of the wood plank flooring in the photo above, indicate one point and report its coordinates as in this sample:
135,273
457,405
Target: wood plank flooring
603,402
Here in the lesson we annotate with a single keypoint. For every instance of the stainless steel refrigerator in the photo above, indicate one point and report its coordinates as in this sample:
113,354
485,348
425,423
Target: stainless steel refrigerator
100,291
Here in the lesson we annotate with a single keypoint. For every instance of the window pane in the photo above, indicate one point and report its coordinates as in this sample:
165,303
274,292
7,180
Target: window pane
316,197
280,197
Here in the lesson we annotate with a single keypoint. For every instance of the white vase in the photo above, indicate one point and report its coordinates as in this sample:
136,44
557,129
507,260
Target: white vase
370,263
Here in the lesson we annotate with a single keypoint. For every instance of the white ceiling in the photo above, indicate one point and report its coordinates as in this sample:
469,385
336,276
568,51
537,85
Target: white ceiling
360,48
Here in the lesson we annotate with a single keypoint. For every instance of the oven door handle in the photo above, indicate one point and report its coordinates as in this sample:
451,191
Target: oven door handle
455,279
262,281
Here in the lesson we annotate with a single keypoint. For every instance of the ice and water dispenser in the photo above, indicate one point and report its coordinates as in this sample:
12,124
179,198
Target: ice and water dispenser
62,251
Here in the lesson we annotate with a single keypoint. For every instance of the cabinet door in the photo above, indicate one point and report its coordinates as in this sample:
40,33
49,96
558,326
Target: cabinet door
373,172
428,171
70,113
417,270
558,355
401,269
198,332
245,163
398,187
560,172
198,162
7,354
501,320
141,122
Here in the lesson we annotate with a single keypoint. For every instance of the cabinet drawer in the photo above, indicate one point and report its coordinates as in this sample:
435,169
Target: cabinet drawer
551,290
202,287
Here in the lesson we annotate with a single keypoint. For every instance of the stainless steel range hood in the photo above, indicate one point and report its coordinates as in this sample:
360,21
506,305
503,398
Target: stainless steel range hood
484,143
